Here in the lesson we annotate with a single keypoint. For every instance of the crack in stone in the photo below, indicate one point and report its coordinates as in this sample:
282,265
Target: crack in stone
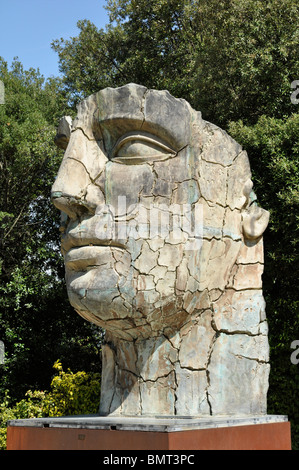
256,359
142,108
77,128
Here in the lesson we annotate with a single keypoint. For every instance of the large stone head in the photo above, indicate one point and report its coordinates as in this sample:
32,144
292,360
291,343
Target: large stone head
157,204
162,241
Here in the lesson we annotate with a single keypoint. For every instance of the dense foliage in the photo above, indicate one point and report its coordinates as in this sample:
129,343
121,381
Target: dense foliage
70,394
37,324
231,59
273,147
235,61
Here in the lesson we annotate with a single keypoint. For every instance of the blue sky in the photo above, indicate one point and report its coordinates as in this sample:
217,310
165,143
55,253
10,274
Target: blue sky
28,27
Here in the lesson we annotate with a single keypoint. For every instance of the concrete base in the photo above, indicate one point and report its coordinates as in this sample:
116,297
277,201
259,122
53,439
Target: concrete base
269,432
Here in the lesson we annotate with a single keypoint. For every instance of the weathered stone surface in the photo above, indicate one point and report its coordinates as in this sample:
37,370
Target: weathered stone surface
232,224
176,169
87,112
168,116
64,129
213,216
213,185
166,286
191,392
246,276
108,379
186,192
147,259
242,311
195,301
252,252
139,177
238,373
170,256
162,240
2,352
158,398
196,344
239,174
156,358
220,148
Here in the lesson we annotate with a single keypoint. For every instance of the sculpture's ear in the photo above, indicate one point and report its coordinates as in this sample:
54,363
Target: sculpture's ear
63,132
254,219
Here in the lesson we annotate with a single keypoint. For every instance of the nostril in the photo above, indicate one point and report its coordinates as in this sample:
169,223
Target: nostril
61,202
80,208
72,207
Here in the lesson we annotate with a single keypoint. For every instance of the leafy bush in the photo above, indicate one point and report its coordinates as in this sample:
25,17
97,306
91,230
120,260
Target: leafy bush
29,407
70,394
73,394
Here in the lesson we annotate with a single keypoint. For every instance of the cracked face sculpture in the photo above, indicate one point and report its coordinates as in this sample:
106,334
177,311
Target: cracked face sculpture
162,242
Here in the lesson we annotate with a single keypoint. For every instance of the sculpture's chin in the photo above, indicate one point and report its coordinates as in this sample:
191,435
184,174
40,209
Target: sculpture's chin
117,307
100,284
98,291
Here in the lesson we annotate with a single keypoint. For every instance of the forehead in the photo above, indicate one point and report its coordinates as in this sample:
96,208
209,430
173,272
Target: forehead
134,108
210,154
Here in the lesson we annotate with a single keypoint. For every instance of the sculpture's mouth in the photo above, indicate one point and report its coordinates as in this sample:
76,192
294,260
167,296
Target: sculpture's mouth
74,240
87,257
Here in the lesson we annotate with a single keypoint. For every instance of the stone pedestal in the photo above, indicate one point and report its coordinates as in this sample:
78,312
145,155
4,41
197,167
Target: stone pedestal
268,432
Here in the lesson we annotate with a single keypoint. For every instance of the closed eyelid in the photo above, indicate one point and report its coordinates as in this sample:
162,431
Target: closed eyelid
137,147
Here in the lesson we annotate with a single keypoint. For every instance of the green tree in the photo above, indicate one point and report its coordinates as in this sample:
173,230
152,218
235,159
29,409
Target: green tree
247,59
146,42
70,394
37,324
234,60
273,146
230,59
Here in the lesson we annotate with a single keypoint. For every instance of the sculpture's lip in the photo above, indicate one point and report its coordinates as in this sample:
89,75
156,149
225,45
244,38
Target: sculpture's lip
113,244
86,257
73,243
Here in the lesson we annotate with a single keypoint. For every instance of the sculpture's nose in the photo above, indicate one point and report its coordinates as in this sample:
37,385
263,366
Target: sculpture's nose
74,208
74,191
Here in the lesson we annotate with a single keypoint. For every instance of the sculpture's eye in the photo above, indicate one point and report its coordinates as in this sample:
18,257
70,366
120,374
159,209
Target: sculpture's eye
136,148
